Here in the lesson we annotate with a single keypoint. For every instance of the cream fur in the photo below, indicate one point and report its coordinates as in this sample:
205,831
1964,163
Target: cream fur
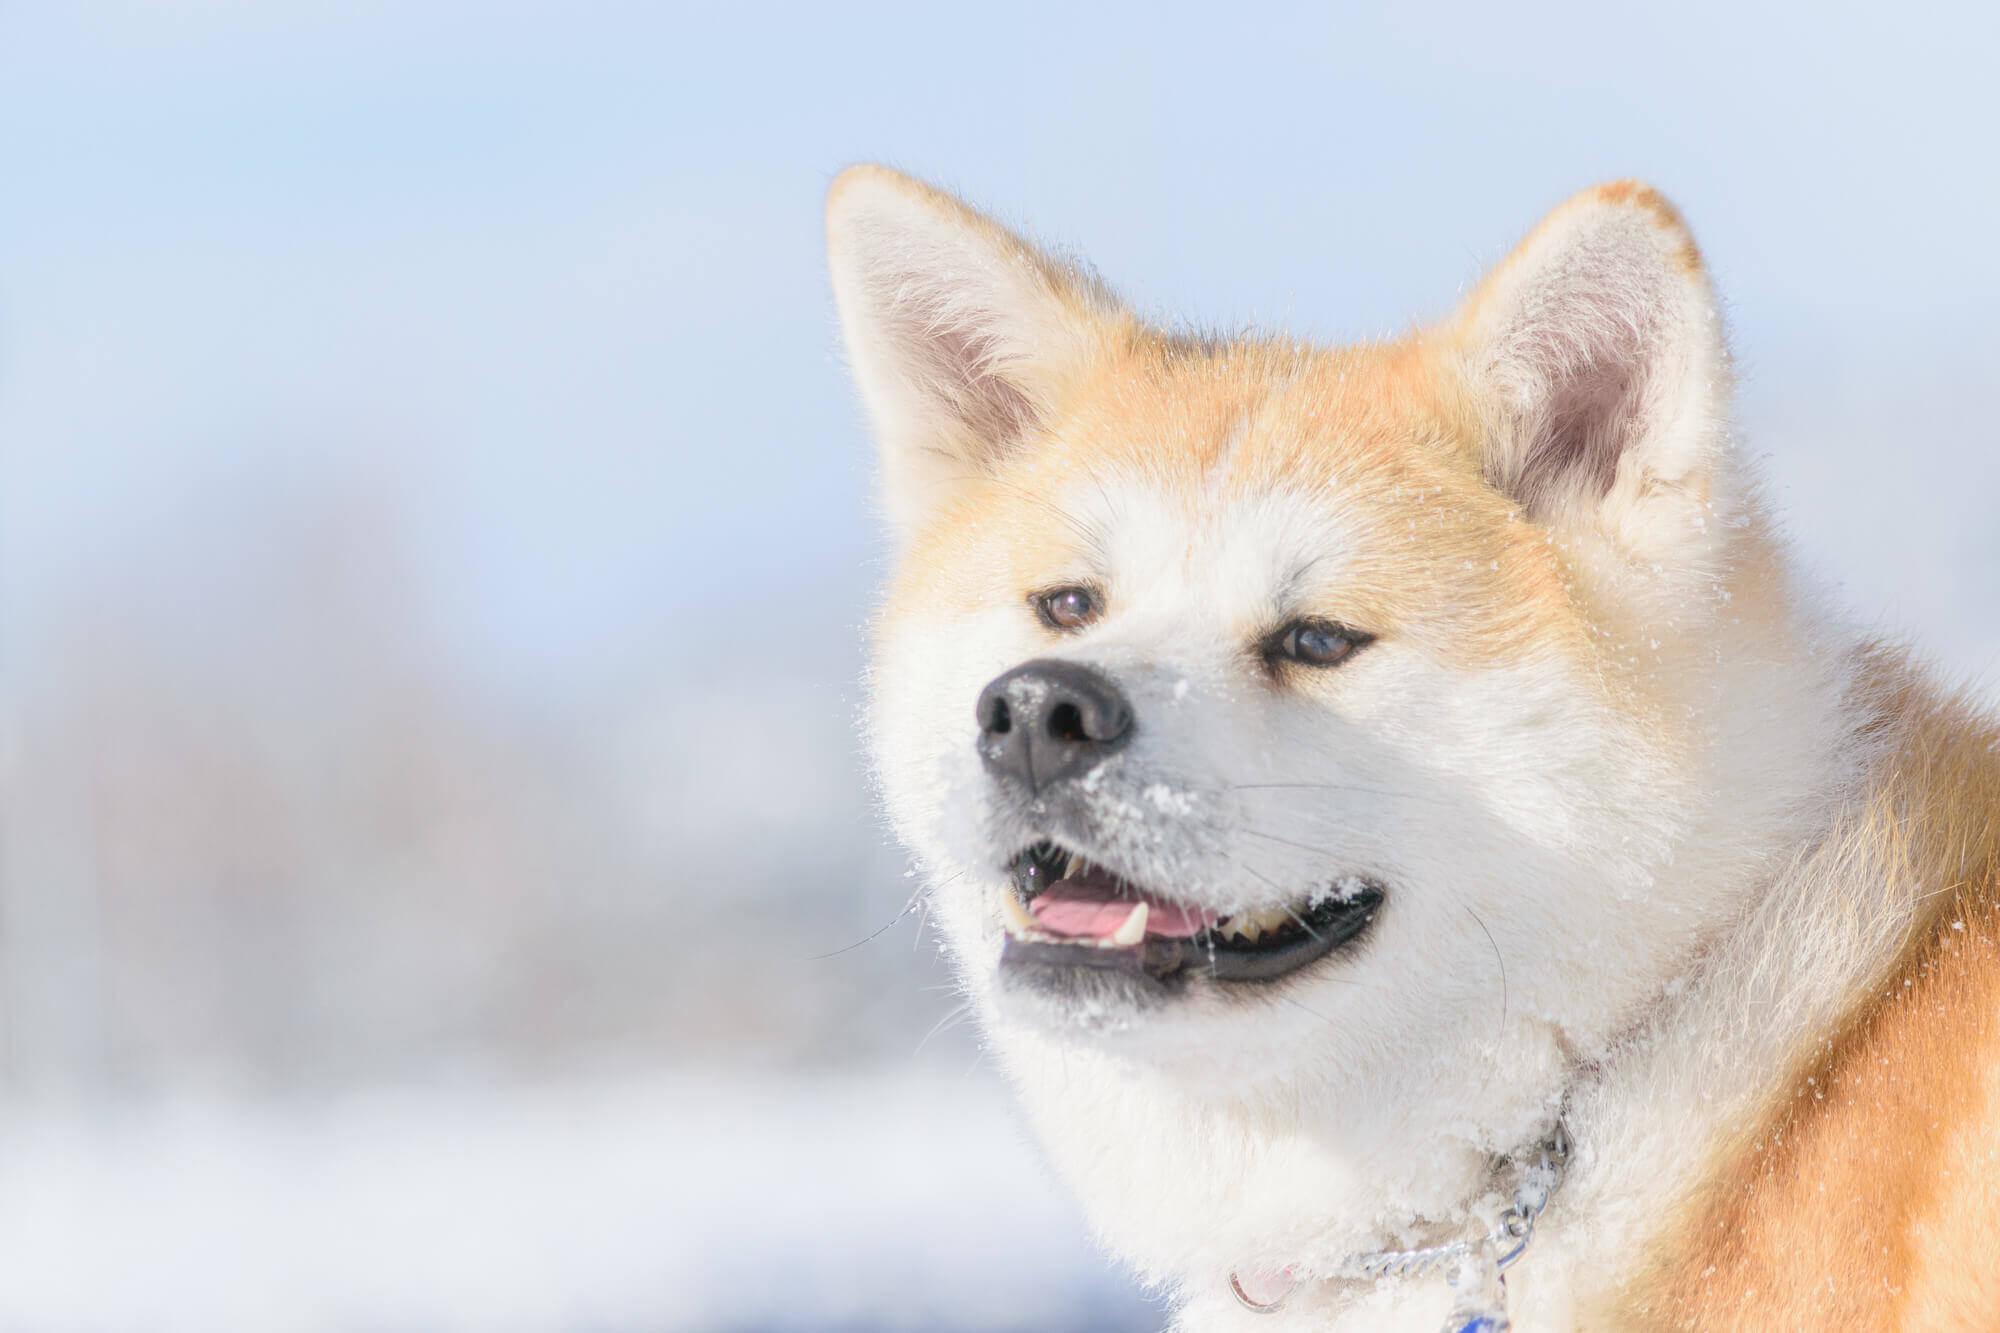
1604,779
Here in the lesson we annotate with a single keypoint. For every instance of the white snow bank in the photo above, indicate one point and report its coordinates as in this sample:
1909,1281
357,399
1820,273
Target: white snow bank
678,1203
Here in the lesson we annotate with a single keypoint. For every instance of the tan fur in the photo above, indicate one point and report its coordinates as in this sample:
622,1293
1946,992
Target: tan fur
1380,424
1640,195
1861,1191
1869,1194
1396,414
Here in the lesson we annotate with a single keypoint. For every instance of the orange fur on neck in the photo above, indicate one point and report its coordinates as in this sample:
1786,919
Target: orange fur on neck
1868,1197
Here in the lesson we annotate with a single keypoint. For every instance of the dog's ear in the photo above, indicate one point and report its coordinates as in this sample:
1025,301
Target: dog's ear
1599,372
962,337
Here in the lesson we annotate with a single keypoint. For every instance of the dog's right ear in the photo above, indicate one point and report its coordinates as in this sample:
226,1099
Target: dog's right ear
963,338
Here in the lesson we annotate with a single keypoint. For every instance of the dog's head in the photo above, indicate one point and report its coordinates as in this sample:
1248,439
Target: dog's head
1337,730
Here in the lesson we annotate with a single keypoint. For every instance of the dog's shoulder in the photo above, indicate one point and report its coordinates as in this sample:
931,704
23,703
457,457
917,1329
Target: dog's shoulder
1867,1195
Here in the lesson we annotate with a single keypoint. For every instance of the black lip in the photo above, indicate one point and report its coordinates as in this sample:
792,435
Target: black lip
1170,962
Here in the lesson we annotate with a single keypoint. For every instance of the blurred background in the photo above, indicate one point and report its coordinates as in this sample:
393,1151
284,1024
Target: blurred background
435,545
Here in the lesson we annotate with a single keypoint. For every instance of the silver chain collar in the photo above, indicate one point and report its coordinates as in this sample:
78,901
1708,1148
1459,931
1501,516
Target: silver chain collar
1476,1269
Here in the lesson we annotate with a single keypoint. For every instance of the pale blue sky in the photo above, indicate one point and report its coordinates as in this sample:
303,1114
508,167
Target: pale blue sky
546,281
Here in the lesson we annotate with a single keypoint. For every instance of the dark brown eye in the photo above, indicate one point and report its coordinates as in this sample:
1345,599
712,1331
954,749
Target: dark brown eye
1315,643
1066,608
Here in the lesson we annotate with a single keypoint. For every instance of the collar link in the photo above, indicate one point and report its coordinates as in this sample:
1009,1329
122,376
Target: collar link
1476,1269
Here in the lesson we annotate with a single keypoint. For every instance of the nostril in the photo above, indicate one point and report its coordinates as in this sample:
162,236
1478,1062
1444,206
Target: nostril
998,720
1066,723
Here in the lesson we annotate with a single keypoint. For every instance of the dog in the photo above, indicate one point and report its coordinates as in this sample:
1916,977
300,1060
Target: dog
1419,853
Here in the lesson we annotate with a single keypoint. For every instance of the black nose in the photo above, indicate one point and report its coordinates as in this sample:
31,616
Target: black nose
1045,721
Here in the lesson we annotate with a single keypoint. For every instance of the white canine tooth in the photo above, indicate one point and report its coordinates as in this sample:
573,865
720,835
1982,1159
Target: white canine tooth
1016,914
1134,928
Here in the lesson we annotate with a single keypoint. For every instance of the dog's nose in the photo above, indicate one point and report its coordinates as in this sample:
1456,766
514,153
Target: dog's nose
1045,721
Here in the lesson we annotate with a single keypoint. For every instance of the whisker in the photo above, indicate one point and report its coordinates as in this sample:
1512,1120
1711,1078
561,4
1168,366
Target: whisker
1503,968
1252,869
950,1020
1302,923
1335,786
1076,525
908,907
1272,837
911,906
1308,1008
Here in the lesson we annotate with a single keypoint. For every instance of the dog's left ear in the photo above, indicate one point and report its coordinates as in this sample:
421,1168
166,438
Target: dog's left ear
963,337
1597,366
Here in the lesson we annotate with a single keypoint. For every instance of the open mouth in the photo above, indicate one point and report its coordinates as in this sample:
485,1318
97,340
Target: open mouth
1063,912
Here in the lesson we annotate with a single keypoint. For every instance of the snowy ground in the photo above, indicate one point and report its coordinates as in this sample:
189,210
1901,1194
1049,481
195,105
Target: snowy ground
680,1203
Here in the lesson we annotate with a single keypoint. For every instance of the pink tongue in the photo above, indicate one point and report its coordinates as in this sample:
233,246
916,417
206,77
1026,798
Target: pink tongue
1092,908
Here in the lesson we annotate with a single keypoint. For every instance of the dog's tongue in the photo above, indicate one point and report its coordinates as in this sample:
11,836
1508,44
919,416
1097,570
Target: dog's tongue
1093,907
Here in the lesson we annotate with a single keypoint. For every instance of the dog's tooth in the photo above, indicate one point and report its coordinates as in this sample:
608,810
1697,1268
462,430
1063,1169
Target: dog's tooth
1272,919
1016,914
1134,929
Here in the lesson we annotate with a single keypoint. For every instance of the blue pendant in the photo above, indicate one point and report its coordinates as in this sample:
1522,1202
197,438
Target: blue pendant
1482,1323
1479,1292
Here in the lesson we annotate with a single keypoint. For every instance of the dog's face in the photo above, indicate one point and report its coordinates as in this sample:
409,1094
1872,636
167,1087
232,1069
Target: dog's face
1298,728
1247,716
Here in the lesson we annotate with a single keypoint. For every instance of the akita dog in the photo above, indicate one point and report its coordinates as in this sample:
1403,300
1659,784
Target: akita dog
1376,794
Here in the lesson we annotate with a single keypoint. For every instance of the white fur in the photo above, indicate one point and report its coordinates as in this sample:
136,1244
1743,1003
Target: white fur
1626,867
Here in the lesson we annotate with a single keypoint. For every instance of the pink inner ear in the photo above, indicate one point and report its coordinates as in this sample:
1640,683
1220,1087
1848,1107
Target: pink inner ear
966,365
1581,351
1584,429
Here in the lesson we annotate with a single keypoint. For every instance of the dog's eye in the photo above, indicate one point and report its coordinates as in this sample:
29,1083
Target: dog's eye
1067,608
1316,643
